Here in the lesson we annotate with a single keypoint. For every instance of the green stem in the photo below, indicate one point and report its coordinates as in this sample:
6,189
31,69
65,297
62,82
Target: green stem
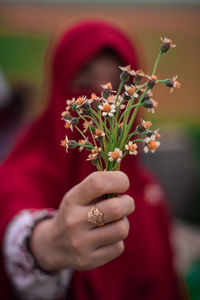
132,119
119,90
156,63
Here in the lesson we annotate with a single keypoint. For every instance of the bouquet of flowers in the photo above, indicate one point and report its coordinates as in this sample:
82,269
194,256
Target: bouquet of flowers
107,121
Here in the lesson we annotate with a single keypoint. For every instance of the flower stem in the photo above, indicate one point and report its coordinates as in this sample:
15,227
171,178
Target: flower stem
156,63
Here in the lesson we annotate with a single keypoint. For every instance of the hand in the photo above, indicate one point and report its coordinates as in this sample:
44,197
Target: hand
70,241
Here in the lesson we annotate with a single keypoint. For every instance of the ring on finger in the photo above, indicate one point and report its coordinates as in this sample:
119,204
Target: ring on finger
95,216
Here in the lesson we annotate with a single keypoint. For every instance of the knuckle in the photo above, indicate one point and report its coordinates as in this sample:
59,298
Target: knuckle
70,221
83,263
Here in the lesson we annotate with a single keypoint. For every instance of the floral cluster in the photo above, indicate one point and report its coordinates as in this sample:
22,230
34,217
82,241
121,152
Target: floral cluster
106,122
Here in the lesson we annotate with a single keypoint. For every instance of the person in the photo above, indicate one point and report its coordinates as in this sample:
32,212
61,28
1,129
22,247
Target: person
49,249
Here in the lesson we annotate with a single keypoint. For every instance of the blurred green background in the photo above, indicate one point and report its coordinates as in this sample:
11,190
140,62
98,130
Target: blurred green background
25,30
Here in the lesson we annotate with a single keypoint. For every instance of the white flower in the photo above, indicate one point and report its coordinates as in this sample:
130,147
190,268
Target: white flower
115,155
131,148
107,109
130,91
151,144
146,124
65,143
107,86
175,83
154,105
98,133
128,70
168,41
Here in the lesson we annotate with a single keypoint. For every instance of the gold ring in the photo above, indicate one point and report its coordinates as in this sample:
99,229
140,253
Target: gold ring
95,217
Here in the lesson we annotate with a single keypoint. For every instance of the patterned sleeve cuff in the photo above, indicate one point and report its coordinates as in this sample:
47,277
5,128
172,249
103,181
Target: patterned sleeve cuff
30,282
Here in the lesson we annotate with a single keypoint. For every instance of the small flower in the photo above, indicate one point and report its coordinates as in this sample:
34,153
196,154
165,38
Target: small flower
115,155
130,91
80,101
106,90
71,102
128,70
108,109
107,86
167,44
82,142
147,95
139,74
152,135
120,102
87,124
150,104
146,124
111,99
173,83
126,73
65,143
152,81
131,148
95,154
151,144
68,124
65,115
98,133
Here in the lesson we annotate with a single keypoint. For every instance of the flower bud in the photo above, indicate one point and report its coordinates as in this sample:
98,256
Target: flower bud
126,96
164,47
74,121
169,83
72,144
148,103
151,83
137,79
105,93
96,104
67,117
124,76
140,128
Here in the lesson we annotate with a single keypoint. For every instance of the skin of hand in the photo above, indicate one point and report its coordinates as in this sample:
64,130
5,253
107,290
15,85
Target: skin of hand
69,241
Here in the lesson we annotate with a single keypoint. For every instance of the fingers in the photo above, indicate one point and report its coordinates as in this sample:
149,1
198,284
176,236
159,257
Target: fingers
114,209
98,184
105,254
110,234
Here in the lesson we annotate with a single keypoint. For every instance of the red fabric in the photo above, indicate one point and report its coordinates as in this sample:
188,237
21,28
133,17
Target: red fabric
38,173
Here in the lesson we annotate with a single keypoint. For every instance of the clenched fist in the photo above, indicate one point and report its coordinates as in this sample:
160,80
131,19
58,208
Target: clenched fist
70,241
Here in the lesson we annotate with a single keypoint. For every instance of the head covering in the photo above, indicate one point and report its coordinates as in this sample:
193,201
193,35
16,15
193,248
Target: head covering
38,173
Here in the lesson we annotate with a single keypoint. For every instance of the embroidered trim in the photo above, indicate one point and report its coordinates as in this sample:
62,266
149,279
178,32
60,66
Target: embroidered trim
29,281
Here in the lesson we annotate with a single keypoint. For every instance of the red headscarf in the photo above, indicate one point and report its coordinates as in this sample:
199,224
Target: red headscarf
38,173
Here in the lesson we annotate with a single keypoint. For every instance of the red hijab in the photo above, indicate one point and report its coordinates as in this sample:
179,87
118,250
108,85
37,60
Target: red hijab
38,173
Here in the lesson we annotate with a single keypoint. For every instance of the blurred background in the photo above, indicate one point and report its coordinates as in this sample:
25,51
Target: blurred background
25,31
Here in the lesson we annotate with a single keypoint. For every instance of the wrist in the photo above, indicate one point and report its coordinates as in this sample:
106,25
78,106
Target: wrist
42,244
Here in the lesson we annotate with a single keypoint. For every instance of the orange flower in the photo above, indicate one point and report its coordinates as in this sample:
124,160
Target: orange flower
107,109
131,148
115,155
98,133
146,124
94,154
151,144
107,86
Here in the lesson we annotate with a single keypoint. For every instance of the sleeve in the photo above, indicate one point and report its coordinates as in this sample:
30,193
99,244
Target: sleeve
28,280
